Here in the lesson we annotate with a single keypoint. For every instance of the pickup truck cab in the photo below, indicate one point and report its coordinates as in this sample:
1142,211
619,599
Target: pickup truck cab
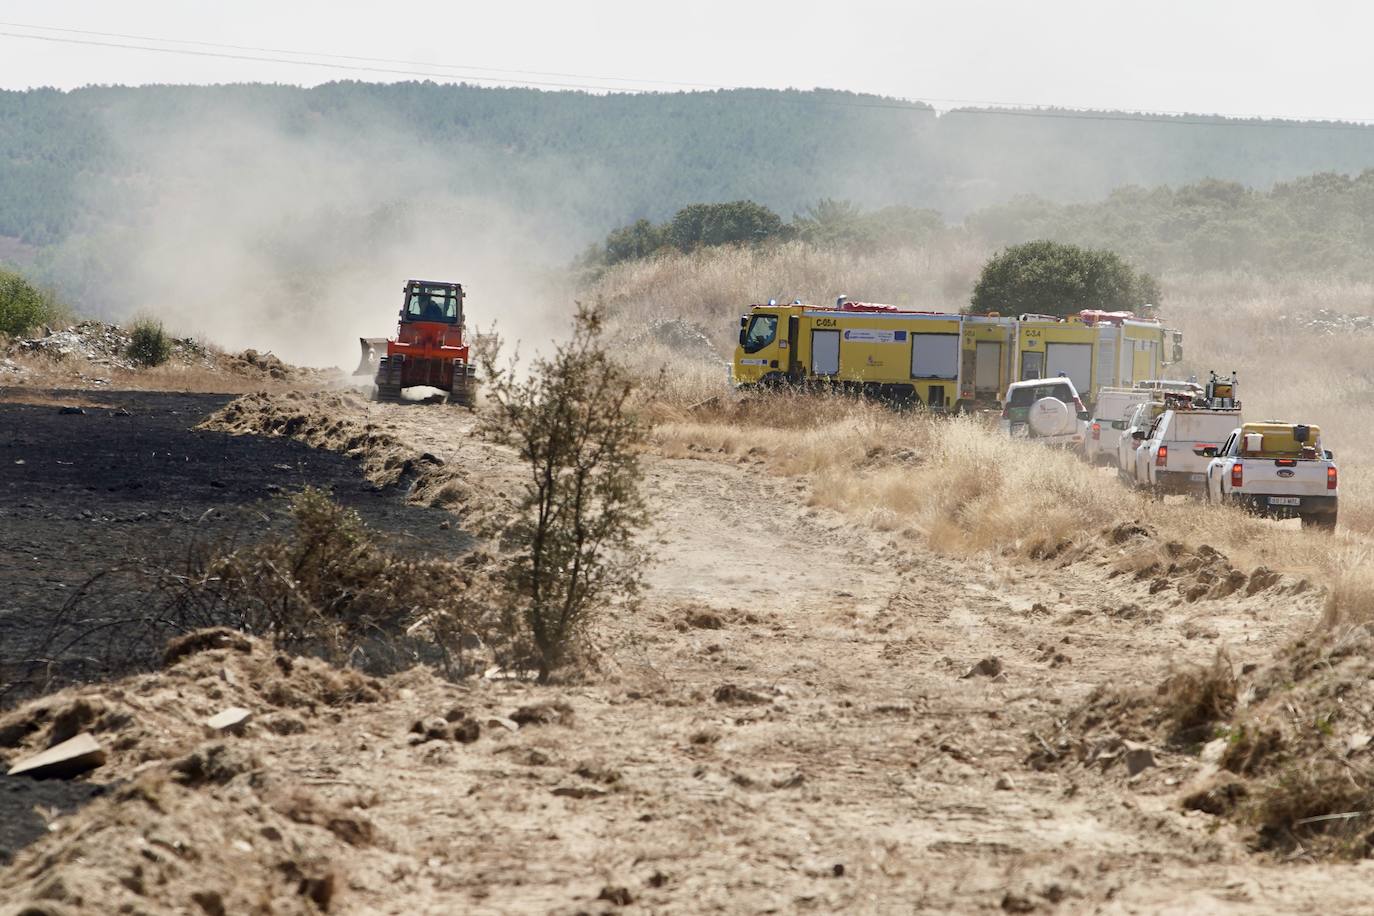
1276,469
1173,455
1046,410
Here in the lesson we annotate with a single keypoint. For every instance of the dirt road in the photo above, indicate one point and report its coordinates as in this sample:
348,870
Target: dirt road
806,716
865,747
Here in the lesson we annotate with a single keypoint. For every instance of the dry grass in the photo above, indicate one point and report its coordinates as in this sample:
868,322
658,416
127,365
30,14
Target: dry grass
713,287
1194,698
956,483
1350,596
959,486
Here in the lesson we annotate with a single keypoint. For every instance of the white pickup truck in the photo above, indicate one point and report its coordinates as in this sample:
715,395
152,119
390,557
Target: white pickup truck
1276,469
1173,455
1140,419
1109,415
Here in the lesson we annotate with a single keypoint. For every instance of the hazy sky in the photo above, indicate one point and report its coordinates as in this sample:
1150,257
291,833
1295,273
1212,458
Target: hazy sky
1214,56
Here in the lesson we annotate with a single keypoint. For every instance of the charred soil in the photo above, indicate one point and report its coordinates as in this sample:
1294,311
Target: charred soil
125,481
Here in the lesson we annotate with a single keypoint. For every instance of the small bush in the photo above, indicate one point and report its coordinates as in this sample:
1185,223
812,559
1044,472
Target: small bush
324,588
149,344
1320,804
572,543
23,306
329,589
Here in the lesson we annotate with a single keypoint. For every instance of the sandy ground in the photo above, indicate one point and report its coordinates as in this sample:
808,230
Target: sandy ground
793,723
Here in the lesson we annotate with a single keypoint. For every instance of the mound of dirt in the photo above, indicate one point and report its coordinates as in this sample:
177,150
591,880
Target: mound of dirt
1285,750
334,422
154,716
104,345
1194,573
244,843
252,362
96,353
195,821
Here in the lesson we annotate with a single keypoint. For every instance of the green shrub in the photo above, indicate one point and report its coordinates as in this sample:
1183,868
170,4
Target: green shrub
1051,278
696,226
23,306
572,549
149,344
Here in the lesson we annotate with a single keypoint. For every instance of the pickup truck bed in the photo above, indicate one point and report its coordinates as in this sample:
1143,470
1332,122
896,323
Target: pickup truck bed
1291,483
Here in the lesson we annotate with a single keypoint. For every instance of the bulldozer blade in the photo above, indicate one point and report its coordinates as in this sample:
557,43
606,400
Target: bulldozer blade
373,349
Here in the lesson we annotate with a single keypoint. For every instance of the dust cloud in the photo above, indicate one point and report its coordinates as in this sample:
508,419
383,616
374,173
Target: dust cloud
246,231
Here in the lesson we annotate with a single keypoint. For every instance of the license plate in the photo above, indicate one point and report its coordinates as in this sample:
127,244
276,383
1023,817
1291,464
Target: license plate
1285,501
1197,478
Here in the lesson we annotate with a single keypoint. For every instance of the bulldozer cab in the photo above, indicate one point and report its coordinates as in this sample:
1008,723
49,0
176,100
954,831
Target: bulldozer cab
429,301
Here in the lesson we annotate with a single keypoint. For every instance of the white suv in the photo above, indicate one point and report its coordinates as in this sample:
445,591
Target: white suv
1045,410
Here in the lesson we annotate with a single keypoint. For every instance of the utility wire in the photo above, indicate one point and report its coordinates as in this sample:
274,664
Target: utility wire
985,103
989,108
374,60
313,63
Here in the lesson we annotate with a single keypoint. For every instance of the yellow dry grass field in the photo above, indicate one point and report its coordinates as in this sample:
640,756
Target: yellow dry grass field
957,484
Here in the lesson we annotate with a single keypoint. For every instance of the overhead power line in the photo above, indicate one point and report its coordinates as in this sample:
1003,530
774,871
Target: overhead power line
466,73
354,57
356,68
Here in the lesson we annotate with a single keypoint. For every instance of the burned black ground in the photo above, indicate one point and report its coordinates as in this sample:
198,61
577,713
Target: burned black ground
132,482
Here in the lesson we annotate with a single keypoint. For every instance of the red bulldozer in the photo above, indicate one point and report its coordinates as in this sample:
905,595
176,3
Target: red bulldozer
430,349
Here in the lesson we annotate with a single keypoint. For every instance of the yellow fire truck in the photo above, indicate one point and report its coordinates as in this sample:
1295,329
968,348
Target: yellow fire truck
1095,349
942,360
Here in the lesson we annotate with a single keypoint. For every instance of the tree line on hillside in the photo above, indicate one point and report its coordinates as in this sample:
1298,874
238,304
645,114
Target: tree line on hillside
1321,222
599,160
89,178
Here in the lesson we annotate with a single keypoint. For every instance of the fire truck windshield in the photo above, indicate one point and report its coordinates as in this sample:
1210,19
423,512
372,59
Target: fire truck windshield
762,330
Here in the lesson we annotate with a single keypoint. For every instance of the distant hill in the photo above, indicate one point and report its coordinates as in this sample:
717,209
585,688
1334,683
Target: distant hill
600,161
199,199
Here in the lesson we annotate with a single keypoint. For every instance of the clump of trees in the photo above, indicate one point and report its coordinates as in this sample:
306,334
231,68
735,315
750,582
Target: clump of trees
571,549
692,227
24,307
1051,278
828,222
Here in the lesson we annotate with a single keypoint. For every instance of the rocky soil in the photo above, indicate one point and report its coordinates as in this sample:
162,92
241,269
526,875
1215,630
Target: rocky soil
94,354
806,716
